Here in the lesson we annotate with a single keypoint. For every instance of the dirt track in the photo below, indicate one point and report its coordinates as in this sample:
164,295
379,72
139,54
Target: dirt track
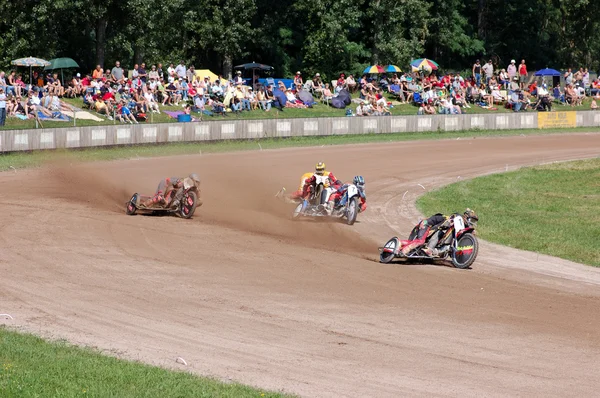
240,292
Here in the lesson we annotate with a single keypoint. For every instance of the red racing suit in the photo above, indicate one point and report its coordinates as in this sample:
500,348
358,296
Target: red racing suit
309,182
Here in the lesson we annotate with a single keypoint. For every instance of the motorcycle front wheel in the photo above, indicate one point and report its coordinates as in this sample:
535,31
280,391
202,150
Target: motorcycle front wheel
188,204
466,251
352,211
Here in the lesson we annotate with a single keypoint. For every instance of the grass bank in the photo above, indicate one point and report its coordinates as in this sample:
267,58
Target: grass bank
31,159
550,209
32,367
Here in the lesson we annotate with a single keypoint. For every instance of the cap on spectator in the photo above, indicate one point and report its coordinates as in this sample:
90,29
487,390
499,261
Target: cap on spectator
79,75
298,73
318,75
476,61
512,61
515,78
125,78
239,72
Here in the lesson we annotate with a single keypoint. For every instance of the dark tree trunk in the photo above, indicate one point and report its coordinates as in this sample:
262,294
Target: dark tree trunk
101,25
481,19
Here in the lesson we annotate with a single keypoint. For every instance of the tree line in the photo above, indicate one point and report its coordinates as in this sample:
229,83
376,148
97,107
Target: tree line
326,36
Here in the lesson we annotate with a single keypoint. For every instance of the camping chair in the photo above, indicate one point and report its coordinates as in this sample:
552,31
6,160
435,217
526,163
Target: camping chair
417,99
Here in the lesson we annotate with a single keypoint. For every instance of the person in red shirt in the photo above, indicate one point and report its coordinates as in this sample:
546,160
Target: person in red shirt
522,74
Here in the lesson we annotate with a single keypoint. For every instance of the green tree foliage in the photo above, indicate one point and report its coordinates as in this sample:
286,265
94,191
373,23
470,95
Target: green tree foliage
325,36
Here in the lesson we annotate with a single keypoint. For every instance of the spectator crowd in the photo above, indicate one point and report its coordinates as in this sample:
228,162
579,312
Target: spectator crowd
131,95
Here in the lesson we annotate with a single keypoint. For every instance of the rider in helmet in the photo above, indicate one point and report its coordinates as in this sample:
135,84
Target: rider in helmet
438,223
162,196
319,170
359,181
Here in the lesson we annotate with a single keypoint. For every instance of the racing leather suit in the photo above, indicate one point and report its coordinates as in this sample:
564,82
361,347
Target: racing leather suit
161,196
309,182
434,222
336,196
300,192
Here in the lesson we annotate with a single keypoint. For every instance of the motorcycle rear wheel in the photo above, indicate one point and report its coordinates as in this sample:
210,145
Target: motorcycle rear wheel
387,257
187,209
298,211
468,247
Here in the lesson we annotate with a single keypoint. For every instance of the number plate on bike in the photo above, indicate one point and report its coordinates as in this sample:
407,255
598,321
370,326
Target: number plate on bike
459,224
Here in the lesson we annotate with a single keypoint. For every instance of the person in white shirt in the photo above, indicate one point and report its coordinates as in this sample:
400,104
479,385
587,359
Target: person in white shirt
511,70
150,102
180,70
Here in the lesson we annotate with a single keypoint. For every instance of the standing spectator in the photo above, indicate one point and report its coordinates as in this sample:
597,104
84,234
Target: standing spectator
116,73
11,88
477,73
171,73
180,70
3,80
142,73
511,70
191,74
161,75
135,73
522,74
154,74
2,107
585,80
488,68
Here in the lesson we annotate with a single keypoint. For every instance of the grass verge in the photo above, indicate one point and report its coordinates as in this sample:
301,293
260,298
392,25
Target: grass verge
32,367
550,209
28,159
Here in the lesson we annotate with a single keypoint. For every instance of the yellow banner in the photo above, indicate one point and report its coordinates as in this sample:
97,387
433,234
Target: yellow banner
548,120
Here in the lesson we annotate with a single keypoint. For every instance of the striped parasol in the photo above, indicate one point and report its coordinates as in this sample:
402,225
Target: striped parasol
374,69
392,69
31,62
423,64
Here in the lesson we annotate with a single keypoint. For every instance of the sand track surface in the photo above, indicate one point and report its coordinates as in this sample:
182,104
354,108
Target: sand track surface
243,293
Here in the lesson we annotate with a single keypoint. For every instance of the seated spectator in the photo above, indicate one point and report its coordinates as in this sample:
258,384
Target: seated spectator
496,95
514,101
124,113
98,73
151,102
262,99
558,94
102,108
361,110
428,108
298,81
570,95
327,94
351,83
580,92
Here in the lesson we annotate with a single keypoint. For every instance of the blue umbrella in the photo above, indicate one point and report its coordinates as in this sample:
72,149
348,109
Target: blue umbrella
547,72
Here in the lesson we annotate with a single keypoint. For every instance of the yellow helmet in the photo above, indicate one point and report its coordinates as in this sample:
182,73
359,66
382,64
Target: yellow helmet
320,168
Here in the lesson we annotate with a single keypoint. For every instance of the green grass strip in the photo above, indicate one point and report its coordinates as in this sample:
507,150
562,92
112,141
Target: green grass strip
28,159
32,367
550,209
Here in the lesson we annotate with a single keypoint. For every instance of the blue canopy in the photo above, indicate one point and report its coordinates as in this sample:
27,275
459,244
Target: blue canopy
547,72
